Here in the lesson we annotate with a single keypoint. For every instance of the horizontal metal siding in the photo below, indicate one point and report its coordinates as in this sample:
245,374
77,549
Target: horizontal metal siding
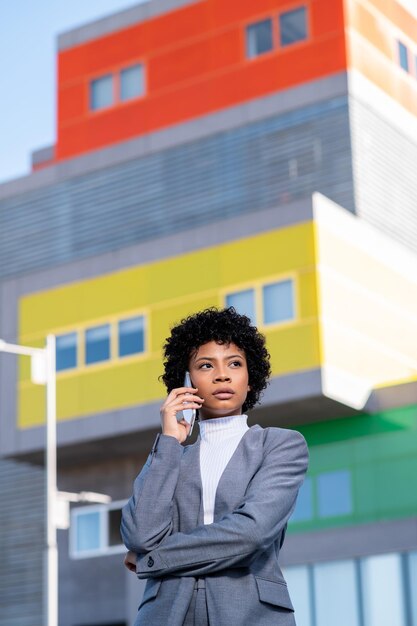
22,496
257,166
385,174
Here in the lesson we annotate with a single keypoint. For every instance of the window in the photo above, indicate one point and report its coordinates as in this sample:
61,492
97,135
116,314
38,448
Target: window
278,302
403,56
131,336
101,92
412,568
298,580
382,590
131,82
243,302
293,26
95,530
304,505
259,38
97,344
336,596
334,493
66,351
88,532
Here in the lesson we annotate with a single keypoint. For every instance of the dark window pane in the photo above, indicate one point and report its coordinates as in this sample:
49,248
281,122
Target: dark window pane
131,336
97,344
115,519
293,26
334,493
403,54
258,38
131,82
66,351
101,92
243,302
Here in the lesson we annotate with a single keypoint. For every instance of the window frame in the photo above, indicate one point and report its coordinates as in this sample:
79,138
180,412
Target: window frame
104,549
294,303
257,286
114,359
290,46
401,45
259,20
115,74
77,351
123,357
119,82
97,78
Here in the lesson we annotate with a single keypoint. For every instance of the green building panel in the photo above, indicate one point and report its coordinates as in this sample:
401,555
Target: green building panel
362,469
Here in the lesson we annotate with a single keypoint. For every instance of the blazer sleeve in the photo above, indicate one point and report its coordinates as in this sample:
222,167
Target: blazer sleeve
144,525
236,539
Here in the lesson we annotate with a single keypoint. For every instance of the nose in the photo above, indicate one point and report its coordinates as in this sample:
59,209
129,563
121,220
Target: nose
221,377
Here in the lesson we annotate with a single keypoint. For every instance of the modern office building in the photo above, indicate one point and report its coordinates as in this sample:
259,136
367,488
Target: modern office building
260,154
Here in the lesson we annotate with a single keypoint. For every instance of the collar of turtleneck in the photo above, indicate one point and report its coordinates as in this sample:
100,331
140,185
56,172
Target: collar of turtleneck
221,428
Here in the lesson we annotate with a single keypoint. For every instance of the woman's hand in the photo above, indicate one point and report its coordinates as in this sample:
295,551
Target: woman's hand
130,561
177,400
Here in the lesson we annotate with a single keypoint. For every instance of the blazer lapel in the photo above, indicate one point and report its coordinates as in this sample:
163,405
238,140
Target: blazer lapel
189,490
237,474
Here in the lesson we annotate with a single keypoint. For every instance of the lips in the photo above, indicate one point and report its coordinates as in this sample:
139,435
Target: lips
224,393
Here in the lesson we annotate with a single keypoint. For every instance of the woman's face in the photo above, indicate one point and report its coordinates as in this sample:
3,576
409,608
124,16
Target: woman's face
220,373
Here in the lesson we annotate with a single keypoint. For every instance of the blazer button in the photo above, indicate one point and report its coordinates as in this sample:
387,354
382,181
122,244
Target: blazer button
150,561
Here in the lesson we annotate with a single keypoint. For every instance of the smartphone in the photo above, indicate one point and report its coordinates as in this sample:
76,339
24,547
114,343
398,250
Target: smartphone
187,414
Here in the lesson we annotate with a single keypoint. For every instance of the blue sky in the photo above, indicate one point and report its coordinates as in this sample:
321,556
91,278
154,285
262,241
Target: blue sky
28,31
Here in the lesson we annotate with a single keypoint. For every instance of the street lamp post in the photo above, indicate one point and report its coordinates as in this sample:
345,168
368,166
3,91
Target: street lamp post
43,372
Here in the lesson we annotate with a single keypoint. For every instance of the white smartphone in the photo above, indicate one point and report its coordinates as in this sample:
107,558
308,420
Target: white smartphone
187,414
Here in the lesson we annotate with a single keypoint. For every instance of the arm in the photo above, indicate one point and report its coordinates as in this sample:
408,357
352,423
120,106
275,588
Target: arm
147,516
250,529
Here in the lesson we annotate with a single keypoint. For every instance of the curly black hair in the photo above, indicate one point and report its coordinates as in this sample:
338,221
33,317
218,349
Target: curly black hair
223,326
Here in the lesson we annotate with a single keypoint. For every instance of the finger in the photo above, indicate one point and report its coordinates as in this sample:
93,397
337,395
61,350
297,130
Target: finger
180,390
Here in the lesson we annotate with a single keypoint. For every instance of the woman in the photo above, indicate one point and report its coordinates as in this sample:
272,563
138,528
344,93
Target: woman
206,521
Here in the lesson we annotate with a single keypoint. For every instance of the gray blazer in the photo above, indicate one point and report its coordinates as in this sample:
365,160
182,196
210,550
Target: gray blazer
237,554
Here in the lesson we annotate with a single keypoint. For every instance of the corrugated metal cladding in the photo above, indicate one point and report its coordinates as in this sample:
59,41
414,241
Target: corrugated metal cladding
22,497
263,164
385,172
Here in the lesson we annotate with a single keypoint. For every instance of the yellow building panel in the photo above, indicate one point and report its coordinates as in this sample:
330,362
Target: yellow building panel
165,292
294,348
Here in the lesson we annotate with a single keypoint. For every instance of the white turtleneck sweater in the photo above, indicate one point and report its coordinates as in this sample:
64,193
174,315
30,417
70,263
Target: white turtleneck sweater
220,437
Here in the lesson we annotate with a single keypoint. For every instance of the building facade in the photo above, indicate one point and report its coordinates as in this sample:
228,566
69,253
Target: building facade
259,155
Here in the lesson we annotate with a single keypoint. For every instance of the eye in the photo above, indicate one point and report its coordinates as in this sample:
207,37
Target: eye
205,366
236,363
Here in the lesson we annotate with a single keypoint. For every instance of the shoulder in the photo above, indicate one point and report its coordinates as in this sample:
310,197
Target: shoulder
275,438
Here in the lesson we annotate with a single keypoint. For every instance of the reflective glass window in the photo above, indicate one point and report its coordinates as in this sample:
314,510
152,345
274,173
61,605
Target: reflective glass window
101,92
87,531
293,26
403,55
258,38
97,344
131,82
278,301
412,586
383,590
304,505
334,493
66,351
243,302
131,336
297,578
336,594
